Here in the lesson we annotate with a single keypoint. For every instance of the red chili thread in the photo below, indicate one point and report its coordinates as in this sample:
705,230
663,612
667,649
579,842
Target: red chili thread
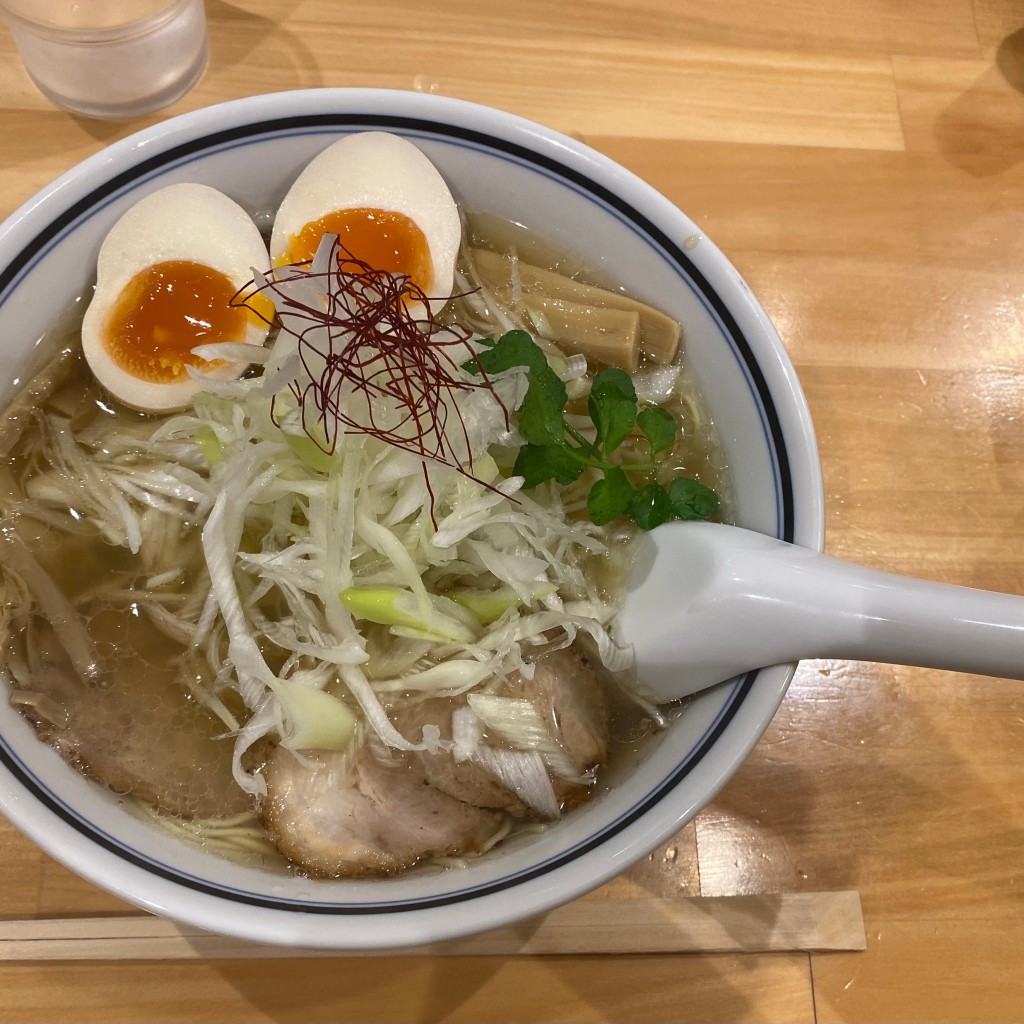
375,347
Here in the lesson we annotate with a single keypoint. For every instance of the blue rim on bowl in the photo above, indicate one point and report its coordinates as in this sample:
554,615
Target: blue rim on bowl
400,912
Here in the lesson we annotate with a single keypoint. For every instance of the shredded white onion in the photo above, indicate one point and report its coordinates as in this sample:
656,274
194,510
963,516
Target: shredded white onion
292,524
525,774
520,723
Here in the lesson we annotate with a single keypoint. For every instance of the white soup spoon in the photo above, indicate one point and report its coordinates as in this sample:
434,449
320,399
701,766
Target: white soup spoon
708,602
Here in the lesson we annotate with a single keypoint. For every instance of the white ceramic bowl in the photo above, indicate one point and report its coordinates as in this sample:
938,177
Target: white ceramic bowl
252,149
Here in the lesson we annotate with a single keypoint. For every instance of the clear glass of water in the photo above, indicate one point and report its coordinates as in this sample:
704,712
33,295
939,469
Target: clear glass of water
110,58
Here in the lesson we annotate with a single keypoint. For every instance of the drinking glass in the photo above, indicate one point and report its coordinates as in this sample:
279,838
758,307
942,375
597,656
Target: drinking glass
110,58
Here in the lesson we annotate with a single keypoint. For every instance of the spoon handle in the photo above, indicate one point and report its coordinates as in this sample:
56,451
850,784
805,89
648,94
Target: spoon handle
711,602
828,608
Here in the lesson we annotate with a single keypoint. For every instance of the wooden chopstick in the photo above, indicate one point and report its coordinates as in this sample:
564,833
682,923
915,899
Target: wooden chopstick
733,924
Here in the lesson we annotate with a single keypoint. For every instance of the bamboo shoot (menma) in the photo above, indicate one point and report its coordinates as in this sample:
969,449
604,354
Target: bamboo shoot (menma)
608,326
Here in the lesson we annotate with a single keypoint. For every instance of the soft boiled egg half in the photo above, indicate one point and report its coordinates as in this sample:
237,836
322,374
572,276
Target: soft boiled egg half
386,202
165,279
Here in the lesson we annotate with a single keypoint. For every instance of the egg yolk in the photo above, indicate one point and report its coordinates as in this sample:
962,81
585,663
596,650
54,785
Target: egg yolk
167,310
384,239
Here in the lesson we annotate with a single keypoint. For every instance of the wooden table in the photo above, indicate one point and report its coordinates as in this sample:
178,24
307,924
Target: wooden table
861,164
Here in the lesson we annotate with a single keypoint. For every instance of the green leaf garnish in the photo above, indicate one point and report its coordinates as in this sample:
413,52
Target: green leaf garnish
551,454
612,407
610,498
692,500
540,462
650,507
540,416
659,426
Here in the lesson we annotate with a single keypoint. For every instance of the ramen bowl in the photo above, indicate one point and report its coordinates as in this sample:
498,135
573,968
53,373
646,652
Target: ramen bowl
580,201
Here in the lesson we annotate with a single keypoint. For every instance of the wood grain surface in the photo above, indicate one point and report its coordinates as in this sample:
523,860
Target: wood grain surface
861,164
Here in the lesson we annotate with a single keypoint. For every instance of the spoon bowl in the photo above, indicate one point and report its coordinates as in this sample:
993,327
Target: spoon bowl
707,602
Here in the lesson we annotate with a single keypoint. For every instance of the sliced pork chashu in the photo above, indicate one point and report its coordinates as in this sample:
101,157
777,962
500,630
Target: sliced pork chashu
135,733
467,778
341,814
499,768
567,694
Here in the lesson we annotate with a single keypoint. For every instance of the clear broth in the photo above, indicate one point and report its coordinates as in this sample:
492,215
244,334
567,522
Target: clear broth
143,693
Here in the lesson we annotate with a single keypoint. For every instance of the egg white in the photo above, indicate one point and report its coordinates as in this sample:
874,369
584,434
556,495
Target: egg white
180,222
376,170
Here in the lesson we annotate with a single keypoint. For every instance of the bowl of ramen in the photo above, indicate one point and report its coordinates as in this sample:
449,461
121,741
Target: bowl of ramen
334,418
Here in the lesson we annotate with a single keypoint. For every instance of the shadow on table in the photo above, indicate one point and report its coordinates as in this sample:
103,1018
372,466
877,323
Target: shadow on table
236,33
465,988
982,131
